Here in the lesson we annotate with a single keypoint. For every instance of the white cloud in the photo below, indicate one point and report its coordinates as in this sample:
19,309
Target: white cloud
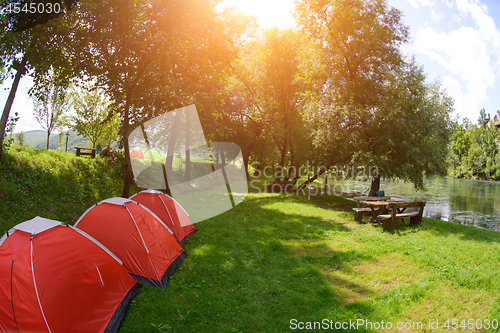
437,16
448,3
424,3
471,54
466,104
484,23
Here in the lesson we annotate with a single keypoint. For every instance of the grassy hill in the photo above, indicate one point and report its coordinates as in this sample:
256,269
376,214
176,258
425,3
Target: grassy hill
54,185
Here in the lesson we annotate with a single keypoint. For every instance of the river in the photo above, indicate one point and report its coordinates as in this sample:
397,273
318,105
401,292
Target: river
470,202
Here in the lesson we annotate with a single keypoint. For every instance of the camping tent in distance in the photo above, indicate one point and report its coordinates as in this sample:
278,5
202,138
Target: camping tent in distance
137,236
170,211
54,278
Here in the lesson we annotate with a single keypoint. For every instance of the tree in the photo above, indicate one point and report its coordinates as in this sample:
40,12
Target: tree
360,42
49,106
372,106
153,55
20,137
111,132
94,115
474,149
31,42
265,74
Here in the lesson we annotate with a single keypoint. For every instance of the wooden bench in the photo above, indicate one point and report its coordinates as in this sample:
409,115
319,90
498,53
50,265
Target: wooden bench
388,221
82,151
359,211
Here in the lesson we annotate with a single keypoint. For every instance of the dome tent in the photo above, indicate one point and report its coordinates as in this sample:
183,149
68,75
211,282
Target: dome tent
137,153
137,236
153,154
170,211
55,278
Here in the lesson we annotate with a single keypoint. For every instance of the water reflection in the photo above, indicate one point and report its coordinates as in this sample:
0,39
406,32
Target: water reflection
469,202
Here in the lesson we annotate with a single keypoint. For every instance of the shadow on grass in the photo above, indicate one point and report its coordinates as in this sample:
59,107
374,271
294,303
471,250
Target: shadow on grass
242,274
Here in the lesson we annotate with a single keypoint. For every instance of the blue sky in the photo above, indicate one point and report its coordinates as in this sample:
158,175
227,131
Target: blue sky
457,42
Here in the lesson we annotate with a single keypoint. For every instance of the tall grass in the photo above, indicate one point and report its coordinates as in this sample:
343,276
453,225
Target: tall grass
54,185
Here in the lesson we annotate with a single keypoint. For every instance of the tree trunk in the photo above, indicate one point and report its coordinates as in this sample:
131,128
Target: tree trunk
318,174
171,147
48,138
375,185
282,160
21,70
127,165
292,165
246,156
187,174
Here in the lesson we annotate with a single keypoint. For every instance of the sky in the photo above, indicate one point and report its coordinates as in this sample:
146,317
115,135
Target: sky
456,41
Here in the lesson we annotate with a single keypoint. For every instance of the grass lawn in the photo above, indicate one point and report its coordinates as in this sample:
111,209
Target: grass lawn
277,262
275,258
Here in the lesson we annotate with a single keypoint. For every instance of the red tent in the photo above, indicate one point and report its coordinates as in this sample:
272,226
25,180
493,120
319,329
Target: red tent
55,278
136,236
137,153
170,211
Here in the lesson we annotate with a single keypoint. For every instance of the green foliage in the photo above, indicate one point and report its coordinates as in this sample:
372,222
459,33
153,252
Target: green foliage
370,105
54,185
8,139
23,15
51,101
475,150
264,98
20,140
27,45
153,56
94,115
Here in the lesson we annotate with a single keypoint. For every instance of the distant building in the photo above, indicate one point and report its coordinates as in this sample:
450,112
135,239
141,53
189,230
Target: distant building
496,119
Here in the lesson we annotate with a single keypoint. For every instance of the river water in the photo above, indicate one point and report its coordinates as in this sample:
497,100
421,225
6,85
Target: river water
470,202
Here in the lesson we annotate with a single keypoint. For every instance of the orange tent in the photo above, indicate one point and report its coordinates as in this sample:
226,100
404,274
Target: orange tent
170,211
137,236
137,153
55,278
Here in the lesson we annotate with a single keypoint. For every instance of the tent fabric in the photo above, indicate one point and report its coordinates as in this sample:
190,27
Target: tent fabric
137,153
168,210
137,236
153,154
57,279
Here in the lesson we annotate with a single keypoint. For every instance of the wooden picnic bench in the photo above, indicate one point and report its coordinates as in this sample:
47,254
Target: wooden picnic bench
82,151
359,211
388,221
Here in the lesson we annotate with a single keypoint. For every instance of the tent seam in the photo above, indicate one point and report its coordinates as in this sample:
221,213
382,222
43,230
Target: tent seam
140,234
34,284
12,295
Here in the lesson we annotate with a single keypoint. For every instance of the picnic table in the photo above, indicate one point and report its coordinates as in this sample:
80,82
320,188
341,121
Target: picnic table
359,211
386,213
82,151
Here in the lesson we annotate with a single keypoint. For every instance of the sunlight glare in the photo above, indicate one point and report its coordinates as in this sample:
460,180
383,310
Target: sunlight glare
268,13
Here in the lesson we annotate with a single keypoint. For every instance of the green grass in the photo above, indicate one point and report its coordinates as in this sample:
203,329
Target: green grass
53,185
275,258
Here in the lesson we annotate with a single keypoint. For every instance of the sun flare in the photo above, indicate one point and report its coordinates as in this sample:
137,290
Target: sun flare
268,13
